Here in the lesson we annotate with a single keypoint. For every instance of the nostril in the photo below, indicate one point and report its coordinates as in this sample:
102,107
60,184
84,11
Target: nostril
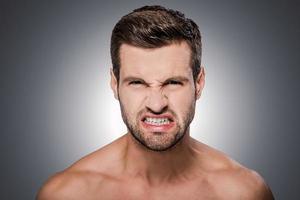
158,111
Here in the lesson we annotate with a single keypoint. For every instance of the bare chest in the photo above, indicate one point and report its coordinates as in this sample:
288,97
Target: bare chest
136,191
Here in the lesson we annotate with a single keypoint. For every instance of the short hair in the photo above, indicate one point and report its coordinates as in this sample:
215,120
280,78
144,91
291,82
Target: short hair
154,27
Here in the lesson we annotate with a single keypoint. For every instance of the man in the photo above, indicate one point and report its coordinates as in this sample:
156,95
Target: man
157,78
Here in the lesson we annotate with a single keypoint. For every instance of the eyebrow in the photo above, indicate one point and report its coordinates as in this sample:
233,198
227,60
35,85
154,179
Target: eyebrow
132,78
177,78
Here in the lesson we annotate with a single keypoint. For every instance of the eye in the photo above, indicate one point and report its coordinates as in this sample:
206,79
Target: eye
135,82
173,82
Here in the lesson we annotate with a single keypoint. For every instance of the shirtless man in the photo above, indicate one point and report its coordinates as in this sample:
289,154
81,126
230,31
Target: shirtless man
157,78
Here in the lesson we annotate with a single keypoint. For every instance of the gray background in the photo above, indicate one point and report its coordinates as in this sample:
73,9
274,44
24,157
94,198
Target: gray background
56,105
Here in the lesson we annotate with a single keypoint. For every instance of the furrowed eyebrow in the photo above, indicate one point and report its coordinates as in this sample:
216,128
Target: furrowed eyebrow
132,78
177,78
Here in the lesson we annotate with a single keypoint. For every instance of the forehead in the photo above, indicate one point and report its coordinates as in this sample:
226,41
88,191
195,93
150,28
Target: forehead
158,63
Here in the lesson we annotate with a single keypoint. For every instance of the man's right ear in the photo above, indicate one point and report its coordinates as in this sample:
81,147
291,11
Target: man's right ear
114,84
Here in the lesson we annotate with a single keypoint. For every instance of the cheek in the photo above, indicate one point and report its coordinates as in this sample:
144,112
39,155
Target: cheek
181,101
131,100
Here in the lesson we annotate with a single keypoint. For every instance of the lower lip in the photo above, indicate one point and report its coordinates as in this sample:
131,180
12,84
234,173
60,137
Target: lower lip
158,128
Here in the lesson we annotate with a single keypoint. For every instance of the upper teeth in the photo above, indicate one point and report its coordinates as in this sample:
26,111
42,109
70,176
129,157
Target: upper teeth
157,121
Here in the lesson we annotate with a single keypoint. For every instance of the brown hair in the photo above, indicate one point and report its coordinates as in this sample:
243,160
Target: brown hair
153,27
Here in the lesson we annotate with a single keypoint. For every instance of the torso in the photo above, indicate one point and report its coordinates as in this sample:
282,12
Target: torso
125,188
92,179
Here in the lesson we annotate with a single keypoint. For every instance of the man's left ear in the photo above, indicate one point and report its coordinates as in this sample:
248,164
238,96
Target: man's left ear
200,82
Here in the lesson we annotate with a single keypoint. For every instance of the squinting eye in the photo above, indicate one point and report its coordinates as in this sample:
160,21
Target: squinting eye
135,82
173,82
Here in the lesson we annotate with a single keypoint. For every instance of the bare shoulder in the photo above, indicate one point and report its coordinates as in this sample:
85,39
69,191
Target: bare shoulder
254,185
86,176
244,183
229,178
70,184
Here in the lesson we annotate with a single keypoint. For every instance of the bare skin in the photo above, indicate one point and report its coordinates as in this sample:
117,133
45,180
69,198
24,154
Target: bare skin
156,83
118,171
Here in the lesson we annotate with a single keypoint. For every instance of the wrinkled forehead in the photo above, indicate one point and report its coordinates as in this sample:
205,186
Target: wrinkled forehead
156,63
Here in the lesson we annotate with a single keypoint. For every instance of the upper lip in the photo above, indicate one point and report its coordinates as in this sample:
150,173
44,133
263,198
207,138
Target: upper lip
169,116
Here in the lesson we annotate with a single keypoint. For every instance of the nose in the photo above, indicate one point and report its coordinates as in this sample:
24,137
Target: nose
157,102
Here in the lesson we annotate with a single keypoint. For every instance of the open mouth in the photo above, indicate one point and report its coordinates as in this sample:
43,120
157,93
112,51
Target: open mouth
157,121
160,123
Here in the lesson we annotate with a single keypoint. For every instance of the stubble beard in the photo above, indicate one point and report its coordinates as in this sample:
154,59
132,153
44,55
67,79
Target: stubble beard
158,141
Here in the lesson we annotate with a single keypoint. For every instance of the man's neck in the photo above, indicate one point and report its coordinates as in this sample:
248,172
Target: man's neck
158,167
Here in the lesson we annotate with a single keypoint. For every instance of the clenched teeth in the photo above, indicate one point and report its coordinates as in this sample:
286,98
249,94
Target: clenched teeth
156,121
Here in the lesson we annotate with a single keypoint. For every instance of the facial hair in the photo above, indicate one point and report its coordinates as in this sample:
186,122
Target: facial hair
158,141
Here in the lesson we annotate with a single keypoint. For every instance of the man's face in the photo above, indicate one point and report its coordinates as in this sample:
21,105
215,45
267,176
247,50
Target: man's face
157,93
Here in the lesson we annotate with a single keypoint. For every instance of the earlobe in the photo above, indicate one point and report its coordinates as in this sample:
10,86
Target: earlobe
114,84
200,82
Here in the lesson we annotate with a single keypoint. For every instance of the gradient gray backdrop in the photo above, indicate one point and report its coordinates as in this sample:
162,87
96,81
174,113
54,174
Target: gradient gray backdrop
56,104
